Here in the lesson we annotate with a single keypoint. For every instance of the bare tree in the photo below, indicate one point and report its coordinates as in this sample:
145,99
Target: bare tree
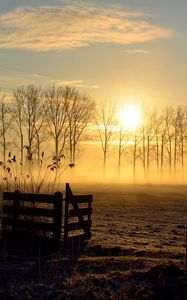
33,116
144,133
149,139
122,142
176,121
105,120
147,136
5,123
180,133
79,112
55,107
157,124
163,138
18,118
169,115
40,133
137,153
183,135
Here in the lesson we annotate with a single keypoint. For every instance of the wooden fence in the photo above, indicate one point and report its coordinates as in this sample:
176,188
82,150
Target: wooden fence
36,215
46,215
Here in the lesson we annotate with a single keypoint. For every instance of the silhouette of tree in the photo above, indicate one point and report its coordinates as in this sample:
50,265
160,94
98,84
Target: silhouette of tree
79,112
5,123
32,114
105,121
122,142
55,107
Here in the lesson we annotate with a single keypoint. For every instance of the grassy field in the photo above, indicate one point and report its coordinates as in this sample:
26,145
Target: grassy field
137,251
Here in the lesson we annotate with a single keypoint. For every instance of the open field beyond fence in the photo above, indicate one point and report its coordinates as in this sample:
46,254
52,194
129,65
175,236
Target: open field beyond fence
135,231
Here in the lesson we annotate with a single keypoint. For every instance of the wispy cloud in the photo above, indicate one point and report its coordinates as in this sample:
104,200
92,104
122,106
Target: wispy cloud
70,26
137,51
75,83
36,75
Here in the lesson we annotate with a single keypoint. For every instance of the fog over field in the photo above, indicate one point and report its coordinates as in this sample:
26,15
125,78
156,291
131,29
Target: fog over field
150,218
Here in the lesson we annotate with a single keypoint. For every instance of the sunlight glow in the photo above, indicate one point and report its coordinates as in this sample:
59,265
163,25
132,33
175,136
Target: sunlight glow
130,117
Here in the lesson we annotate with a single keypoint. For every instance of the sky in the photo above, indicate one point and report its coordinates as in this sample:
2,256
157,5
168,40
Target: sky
120,50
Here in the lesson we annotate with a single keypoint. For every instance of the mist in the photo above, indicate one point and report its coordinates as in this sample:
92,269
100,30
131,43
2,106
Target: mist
57,135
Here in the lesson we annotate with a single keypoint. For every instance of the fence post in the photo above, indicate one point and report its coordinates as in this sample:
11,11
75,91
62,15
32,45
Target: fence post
16,204
68,196
186,248
89,234
57,217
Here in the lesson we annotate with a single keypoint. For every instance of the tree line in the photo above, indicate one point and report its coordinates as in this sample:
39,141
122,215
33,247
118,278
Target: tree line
159,143
34,120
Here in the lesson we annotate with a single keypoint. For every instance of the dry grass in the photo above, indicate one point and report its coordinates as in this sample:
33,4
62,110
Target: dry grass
136,252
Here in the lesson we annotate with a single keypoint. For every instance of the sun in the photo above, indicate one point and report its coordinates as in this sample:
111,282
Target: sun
130,117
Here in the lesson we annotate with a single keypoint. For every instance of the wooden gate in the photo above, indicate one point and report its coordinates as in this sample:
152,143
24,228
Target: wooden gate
45,216
78,211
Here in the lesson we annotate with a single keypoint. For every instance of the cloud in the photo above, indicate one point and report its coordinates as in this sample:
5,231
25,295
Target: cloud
137,51
70,26
75,83
36,75
60,82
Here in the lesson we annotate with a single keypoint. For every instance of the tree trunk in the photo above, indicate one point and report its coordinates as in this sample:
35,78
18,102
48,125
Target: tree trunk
170,156
21,148
144,154
119,155
104,163
4,149
162,156
148,156
182,156
175,155
157,156
134,159
38,149
73,154
56,147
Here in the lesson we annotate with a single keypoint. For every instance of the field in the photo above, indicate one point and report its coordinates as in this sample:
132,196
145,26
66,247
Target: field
137,251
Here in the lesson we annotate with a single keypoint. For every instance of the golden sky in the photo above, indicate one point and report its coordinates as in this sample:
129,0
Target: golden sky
128,50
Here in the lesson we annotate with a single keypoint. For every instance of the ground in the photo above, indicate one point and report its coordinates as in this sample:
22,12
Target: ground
137,251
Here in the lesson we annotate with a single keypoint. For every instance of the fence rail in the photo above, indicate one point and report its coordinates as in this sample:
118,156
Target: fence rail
41,198
20,213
